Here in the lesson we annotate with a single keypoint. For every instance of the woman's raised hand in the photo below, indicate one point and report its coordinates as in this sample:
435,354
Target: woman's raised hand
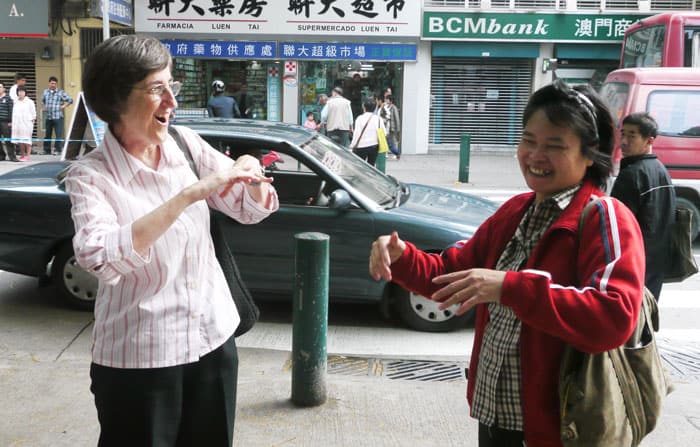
385,251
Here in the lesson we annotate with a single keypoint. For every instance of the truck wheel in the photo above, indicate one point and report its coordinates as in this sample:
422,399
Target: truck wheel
682,202
75,286
422,314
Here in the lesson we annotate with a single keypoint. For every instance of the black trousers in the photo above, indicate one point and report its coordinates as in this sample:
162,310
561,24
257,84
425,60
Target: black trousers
5,146
369,153
498,437
185,405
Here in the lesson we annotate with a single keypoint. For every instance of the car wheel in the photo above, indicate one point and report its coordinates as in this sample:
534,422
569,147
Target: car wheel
75,286
682,202
422,314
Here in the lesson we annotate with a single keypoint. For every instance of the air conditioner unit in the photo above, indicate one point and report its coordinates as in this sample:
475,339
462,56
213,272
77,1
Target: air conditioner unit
74,8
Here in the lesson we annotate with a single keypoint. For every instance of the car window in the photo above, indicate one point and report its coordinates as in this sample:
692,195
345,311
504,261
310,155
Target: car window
359,174
676,112
615,95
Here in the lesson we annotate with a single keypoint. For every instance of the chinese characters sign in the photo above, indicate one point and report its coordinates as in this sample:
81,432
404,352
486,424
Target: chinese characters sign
120,11
347,51
221,49
384,18
527,27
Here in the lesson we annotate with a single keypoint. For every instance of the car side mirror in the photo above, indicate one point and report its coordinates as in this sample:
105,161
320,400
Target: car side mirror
339,199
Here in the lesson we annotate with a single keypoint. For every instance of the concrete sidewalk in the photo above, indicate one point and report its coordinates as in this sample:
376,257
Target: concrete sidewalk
48,403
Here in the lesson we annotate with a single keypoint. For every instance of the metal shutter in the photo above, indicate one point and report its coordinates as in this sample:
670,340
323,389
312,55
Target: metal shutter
482,97
24,63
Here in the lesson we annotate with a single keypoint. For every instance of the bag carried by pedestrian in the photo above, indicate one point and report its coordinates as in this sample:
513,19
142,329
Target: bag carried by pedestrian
247,309
681,263
360,137
613,398
381,139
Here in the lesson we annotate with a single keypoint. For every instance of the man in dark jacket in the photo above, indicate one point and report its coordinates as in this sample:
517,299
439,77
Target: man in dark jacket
222,106
644,185
6,147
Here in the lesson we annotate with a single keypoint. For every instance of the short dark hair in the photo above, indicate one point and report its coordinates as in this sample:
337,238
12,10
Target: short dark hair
645,123
53,79
115,67
22,88
369,104
581,110
308,114
389,98
20,76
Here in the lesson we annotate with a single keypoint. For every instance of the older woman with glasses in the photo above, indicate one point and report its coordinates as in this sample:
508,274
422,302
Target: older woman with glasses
164,361
537,283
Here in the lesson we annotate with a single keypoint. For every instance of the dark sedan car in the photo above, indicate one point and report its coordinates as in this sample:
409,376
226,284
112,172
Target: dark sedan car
321,187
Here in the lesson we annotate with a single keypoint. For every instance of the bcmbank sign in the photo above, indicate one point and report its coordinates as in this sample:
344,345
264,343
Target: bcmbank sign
527,27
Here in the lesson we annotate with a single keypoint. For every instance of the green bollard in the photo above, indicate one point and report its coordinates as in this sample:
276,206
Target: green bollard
381,161
464,149
310,319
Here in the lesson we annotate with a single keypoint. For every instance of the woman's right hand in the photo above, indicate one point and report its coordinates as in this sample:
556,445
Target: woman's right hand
385,251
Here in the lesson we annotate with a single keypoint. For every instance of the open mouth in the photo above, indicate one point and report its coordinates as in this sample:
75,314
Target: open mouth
162,118
539,172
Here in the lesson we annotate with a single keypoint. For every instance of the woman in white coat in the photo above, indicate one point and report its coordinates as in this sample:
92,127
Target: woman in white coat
23,117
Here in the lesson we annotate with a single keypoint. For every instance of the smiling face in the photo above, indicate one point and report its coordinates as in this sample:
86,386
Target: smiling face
144,119
550,157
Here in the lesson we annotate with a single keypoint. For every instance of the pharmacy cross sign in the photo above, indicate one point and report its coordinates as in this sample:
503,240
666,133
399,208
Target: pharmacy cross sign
290,67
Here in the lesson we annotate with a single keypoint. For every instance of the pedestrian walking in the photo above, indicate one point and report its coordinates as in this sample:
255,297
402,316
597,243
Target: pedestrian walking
645,186
164,359
7,150
365,143
220,105
337,114
23,118
393,126
53,101
537,288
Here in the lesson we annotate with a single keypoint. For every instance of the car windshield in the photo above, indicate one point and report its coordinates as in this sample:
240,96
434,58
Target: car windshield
360,175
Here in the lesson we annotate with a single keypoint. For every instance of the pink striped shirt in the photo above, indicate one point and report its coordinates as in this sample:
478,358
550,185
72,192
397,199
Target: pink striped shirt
171,306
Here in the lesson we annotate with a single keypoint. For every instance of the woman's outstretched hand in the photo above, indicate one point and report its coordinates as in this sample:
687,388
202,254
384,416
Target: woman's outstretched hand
469,288
385,251
246,170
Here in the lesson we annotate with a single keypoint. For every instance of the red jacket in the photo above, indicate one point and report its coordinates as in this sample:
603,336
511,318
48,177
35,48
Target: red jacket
589,298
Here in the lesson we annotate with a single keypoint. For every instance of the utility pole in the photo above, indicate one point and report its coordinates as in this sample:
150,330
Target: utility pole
105,19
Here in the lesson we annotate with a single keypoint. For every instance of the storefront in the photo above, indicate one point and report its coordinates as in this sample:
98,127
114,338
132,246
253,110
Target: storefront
484,66
288,56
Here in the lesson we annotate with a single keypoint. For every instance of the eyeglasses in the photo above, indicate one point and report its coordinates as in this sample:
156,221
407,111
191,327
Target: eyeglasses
157,90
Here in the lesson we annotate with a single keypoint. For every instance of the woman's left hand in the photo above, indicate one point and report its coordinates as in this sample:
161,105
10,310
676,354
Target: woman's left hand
469,287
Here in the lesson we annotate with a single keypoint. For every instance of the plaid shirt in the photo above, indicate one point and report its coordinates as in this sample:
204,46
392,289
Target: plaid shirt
53,100
497,398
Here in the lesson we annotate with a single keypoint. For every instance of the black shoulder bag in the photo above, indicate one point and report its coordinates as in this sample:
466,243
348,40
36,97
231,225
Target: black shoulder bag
247,309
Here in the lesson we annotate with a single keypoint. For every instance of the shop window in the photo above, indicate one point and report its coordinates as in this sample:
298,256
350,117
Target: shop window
359,81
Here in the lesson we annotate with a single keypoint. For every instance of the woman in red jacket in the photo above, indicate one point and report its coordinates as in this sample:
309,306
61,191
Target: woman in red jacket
536,289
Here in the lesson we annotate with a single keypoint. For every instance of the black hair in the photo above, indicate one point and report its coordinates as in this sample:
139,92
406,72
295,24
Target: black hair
20,76
53,78
115,67
369,105
22,88
645,122
584,112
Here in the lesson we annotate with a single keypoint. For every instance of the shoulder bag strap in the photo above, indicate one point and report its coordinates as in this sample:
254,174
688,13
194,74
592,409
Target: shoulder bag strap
361,133
179,140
